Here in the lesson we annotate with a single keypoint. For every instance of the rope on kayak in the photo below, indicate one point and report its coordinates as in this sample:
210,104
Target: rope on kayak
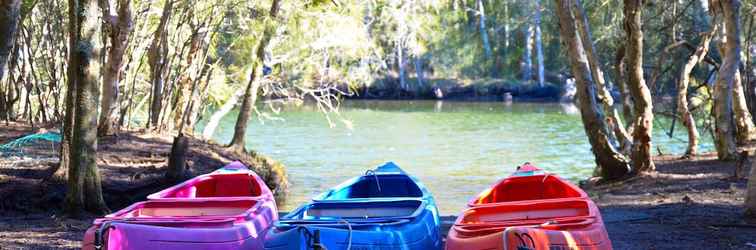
349,235
524,245
308,236
377,183
100,234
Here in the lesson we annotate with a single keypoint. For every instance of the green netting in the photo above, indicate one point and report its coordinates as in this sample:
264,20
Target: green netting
16,147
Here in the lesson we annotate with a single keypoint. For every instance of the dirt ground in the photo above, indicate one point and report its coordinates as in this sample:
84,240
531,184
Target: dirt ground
686,204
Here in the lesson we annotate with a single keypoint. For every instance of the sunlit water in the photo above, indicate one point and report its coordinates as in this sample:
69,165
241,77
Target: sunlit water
456,148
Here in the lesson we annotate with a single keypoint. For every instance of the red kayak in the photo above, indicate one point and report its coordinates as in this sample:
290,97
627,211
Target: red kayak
530,210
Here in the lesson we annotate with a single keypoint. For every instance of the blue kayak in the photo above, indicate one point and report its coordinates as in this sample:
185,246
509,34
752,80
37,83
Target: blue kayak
384,209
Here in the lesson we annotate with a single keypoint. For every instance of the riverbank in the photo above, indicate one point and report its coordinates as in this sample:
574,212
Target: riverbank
686,204
484,89
131,165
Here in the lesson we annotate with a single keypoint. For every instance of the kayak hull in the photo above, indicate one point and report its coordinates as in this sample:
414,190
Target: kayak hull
201,213
530,210
383,209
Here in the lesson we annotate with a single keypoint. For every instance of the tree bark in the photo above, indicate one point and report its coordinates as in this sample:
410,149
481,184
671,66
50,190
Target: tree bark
120,28
483,30
626,99
619,136
743,121
610,163
156,58
84,188
724,136
177,160
10,11
640,155
682,87
250,93
527,57
750,200
539,43
215,119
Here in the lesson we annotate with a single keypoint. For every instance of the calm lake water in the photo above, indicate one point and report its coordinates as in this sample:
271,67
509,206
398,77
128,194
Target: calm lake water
456,148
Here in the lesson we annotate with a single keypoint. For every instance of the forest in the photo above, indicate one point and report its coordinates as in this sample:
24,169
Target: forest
132,94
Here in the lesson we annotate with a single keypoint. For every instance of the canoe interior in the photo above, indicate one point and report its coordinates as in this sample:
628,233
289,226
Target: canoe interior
226,185
359,210
151,209
378,186
517,213
538,187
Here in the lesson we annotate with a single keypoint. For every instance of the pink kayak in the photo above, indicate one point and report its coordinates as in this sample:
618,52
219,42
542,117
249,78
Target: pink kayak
226,209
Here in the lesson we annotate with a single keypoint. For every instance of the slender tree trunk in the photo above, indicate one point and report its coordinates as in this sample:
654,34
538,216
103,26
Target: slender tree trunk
84,188
527,68
539,42
743,120
618,136
215,119
10,11
682,95
156,57
483,30
120,28
626,99
419,70
250,93
724,136
610,163
401,64
640,155
750,201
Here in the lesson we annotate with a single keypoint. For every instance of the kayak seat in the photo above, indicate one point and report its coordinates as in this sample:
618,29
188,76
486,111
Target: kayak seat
538,212
527,188
187,209
362,210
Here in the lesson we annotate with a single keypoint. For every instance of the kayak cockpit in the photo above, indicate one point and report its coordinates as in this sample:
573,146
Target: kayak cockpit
376,186
214,186
527,188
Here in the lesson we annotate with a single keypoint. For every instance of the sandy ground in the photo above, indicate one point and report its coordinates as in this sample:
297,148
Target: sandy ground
686,204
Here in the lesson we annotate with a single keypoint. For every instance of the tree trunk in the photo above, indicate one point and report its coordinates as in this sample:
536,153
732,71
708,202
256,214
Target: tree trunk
177,160
682,95
640,155
402,65
215,119
724,136
419,70
120,27
84,189
156,58
750,200
743,122
610,163
250,93
10,11
527,67
483,30
539,43
626,100
618,136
